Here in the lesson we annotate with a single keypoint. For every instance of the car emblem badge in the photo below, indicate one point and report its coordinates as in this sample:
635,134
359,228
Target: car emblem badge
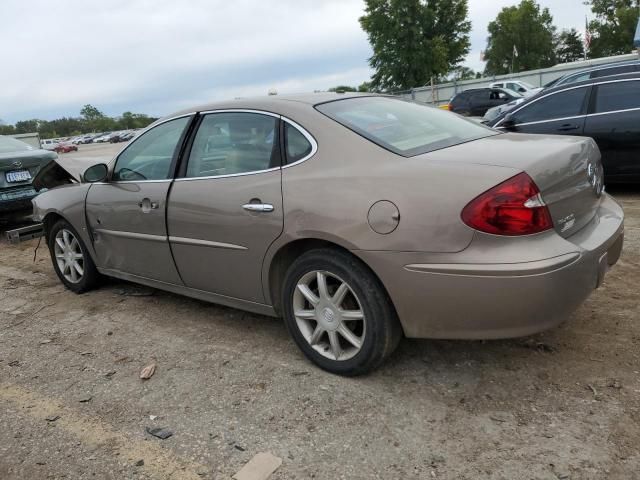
17,164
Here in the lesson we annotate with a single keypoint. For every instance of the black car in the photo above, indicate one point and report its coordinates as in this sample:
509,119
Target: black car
19,164
606,109
476,101
605,70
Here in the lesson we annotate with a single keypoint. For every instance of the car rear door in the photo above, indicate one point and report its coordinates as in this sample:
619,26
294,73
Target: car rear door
126,215
559,113
614,123
225,210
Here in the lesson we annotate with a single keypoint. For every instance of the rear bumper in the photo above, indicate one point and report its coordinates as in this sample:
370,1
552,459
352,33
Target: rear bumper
447,298
16,199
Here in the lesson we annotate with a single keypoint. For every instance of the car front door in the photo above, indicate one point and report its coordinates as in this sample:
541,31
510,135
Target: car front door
126,214
561,113
614,123
225,210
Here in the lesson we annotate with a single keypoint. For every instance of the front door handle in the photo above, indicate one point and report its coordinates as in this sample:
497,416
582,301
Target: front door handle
258,207
146,205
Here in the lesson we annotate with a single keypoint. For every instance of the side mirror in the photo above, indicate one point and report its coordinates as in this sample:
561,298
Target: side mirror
97,173
522,90
508,123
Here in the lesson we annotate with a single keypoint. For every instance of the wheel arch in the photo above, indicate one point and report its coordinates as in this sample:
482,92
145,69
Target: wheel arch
286,255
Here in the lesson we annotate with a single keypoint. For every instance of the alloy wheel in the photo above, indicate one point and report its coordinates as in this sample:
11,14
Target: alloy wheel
69,256
329,315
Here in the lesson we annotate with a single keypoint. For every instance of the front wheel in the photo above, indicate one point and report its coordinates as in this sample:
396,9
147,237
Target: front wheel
71,261
338,312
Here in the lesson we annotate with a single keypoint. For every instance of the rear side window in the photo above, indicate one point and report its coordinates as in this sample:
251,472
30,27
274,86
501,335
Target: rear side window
568,103
296,144
614,71
617,96
403,127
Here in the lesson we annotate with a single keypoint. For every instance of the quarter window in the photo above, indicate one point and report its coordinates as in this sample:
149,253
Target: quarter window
568,103
617,96
297,145
150,156
232,143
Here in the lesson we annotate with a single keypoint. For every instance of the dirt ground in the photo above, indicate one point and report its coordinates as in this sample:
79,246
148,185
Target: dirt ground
564,404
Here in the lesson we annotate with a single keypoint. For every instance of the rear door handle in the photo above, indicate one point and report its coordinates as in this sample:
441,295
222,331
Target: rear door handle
567,127
258,207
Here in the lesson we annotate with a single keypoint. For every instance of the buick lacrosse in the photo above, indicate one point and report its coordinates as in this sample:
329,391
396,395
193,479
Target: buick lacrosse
357,218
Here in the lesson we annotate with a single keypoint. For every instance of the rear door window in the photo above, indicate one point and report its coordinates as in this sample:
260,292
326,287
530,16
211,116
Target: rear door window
233,143
614,71
617,96
568,103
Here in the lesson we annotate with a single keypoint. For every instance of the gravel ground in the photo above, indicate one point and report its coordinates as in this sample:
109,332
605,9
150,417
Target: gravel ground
228,384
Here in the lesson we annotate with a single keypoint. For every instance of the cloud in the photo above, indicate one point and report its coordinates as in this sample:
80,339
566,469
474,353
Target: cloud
154,56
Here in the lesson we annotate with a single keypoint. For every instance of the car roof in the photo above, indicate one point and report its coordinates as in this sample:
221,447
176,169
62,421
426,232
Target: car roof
272,102
570,86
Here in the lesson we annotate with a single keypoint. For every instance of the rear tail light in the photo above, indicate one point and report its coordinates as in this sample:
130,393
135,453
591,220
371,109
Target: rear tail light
450,107
514,207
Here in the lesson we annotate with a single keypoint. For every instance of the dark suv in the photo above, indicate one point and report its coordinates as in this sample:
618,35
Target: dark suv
606,109
476,101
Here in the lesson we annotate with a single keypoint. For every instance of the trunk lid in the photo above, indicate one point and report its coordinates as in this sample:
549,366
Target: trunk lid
566,169
30,160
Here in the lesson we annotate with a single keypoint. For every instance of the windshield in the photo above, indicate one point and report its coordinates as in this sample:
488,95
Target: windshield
404,127
8,145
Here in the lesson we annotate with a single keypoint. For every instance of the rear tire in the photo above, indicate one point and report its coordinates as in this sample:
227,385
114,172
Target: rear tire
71,260
333,303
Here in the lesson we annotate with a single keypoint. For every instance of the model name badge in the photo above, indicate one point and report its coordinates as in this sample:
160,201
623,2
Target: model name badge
567,222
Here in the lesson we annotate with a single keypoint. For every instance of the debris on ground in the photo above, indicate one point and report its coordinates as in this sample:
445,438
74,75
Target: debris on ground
86,399
139,463
159,432
135,291
260,467
52,418
148,371
614,384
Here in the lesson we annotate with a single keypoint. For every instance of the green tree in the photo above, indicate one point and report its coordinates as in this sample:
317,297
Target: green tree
614,26
343,88
570,47
27,126
92,117
365,87
462,73
413,40
520,38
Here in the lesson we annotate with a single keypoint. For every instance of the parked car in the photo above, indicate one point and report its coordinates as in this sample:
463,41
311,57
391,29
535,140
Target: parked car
102,138
476,101
19,163
120,137
496,111
65,147
519,86
359,218
49,144
606,109
606,70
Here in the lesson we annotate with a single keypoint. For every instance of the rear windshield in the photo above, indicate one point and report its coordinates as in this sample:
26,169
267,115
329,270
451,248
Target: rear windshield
404,127
8,145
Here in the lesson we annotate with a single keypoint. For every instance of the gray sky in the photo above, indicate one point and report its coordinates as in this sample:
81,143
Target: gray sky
157,56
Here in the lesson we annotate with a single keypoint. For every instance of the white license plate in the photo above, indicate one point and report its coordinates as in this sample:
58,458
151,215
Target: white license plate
18,176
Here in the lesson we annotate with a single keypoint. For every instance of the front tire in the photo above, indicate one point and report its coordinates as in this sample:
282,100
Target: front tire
338,312
71,260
